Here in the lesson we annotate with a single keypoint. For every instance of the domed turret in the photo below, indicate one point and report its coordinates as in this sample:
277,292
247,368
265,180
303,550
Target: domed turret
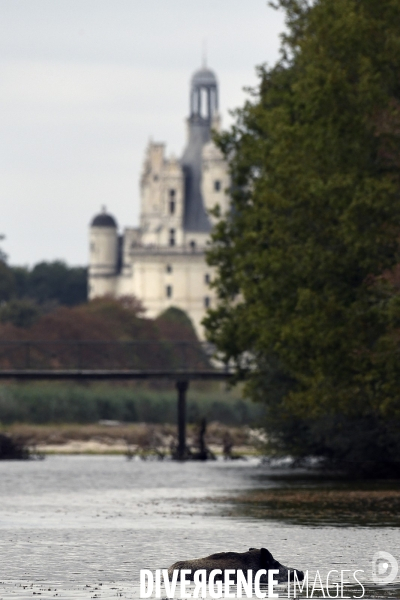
103,245
104,220
204,76
204,95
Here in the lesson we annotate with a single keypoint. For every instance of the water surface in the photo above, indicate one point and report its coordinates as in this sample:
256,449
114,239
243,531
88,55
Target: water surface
84,526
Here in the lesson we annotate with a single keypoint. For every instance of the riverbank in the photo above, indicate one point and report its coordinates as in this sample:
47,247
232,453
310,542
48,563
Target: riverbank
143,439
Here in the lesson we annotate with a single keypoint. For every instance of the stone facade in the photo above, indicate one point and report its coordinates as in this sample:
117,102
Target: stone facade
162,262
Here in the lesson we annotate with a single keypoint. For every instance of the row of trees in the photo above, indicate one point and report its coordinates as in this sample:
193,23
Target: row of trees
308,261
25,293
104,333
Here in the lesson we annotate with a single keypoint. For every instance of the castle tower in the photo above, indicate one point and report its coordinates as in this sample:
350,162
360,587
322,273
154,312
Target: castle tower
161,186
162,262
203,116
103,254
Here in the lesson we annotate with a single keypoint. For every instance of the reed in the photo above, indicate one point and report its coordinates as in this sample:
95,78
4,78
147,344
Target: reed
42,403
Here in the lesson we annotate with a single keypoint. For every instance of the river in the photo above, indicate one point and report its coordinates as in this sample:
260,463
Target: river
83,526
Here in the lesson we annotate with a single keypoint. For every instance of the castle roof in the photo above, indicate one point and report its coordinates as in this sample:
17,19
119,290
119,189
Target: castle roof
204,77
104,220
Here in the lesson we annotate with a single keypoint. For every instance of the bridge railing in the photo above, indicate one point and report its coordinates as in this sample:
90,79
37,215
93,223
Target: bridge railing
91,355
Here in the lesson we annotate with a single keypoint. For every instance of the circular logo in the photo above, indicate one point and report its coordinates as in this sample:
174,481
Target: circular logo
384,568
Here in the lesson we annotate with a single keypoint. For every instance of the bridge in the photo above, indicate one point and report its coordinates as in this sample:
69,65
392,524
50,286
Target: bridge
178,361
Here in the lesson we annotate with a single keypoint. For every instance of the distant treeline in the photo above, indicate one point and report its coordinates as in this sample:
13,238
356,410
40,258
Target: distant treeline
27,293
46,309
40,322
43,403
104,333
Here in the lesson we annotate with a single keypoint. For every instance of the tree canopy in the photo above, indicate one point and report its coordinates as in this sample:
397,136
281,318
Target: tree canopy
114,332
7,282
52,282
25,293
307,261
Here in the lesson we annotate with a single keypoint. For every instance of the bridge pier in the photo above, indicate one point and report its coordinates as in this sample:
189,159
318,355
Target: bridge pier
182,387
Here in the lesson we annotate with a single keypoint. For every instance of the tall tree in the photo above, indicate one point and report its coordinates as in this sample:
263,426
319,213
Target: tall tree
308,303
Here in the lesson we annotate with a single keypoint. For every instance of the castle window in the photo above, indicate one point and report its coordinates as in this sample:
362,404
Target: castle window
192,245
168,269
155,178
93,247
172,237
206,278
217,186
206,302
172,202
168,291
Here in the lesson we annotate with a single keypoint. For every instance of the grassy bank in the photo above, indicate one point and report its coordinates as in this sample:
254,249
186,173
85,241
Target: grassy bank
43,403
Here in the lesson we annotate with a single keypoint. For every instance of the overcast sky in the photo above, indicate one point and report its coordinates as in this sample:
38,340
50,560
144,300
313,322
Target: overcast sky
84,84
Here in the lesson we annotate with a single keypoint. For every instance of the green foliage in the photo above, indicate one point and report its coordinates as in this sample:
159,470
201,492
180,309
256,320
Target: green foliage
309,307
25,294
73,403
7,282
21,278
174,324
53,281
105,333
21,313
3,255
